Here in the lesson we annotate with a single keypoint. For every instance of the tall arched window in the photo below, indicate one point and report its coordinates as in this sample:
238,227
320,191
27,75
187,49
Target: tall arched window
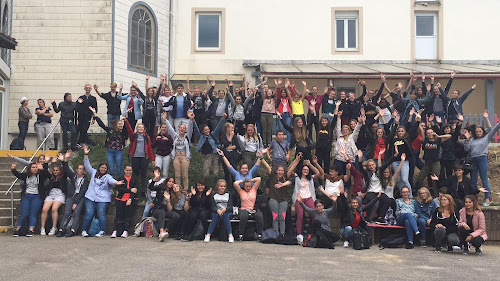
142,39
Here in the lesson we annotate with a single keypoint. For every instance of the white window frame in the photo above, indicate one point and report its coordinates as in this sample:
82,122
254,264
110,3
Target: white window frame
346,16
208,49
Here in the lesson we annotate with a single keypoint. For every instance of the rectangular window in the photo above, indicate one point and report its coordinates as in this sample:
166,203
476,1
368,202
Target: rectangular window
208,31
346,35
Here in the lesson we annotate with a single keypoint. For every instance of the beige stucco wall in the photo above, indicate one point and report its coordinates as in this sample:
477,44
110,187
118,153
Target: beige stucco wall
62,45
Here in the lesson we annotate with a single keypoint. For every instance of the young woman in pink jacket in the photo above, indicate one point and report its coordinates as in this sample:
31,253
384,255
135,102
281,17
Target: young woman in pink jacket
472,225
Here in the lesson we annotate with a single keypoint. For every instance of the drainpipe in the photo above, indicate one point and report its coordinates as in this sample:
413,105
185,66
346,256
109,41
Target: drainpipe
170,28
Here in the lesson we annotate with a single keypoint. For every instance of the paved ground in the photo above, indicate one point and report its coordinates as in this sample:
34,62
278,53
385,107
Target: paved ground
44,258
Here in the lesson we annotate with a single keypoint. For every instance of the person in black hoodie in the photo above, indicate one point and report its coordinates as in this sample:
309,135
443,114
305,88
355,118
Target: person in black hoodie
352,218
57,190
158,206
67,120
32,195
125,202
111,98
200,204
399,143
324,143
85,115
444,223
79,183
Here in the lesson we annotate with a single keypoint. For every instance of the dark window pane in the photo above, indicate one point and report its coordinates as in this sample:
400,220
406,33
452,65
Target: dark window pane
135,44
351,35
142,31
148,63
141,46
148,34
208,31
425,25
135,29
133,58
148,50
340,33
136,16
140,60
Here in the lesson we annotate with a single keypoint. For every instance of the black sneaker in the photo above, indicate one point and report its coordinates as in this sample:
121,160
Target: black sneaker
423,244
30,233
466,248
380,221
409,245
259,237
479,251
240,238
70,234
15,233
450,248
178,237
60,233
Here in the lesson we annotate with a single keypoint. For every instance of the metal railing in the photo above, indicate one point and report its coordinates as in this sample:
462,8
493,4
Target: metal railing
42,147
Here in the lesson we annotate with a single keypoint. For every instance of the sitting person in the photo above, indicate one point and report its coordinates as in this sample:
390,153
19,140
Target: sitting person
157,205
57,190
472,226
352,219
334,183
125,202
406,216
200,207
222,209
169,182
424,208
321,217
444,222
178,205
442,191
248,195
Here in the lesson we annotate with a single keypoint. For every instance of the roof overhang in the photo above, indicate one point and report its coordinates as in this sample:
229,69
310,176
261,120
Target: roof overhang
7,42
202,78
361,70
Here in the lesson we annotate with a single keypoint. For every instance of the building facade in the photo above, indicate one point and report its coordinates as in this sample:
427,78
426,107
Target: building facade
64,45
343,40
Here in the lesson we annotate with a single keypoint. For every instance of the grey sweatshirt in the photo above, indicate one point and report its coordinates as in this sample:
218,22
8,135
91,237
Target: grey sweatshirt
24,114
479,147
324,217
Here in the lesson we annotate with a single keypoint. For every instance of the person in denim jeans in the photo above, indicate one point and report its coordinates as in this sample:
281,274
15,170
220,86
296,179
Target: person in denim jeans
115,141
24,118
98,194
424,207
406,216
352,217
67,109
222,209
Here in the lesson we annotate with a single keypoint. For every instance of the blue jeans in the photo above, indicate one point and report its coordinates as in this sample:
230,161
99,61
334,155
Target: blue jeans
347,232
403,175
226,221
115,159
480,164
30,204
415,161
23,130
90,209
422,224
288,120
146,210
409,221
258,124
112,117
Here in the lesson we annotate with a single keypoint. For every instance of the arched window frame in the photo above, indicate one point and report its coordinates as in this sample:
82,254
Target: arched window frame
133,64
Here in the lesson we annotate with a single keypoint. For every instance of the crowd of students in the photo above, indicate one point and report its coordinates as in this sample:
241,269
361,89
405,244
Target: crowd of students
378,140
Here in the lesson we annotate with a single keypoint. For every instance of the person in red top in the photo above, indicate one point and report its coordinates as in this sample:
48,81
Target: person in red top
125,203
417,135
284,108
315,102
141,151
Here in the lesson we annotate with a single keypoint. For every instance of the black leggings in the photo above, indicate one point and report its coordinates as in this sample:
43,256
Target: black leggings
140,169
326,238
192,219
384,203
324,158
149,121
124,214
476,241
447,168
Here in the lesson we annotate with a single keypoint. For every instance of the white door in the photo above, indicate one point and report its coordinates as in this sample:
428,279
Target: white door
426,40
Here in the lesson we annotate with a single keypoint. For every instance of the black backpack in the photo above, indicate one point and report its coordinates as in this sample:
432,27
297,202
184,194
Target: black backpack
311,241
23,230
197,233
269,236
16,144
392,241
286,240
360,240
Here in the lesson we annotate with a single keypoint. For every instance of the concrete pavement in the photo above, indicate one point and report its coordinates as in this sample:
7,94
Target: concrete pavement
77,258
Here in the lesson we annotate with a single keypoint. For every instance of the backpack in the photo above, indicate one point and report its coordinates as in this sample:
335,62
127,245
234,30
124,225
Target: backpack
16,144
269,236
286,240
141,227
360,240
23,230
310,241
197,233
68,223
94,227
389,217
392,241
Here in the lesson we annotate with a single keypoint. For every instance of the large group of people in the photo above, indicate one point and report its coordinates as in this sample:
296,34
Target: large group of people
378,141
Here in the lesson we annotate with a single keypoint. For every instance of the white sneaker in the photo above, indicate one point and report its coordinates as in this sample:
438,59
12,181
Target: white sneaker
100,234
125,234
300,238
84,233
207,238
346,244
163,236
52,231
113,235
42,232
231,239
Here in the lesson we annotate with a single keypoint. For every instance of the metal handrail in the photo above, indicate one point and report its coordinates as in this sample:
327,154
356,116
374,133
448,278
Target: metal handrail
41,146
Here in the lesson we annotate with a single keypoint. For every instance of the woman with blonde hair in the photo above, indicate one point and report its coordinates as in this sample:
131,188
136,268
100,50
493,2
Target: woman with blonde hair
302,143
424,207
444,222
251,144
472,225
222,209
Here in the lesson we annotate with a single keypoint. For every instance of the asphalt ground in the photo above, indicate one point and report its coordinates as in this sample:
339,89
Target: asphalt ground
77,258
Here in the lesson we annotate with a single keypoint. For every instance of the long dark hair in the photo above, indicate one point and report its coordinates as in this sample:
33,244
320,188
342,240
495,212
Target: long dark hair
98,173
28,170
